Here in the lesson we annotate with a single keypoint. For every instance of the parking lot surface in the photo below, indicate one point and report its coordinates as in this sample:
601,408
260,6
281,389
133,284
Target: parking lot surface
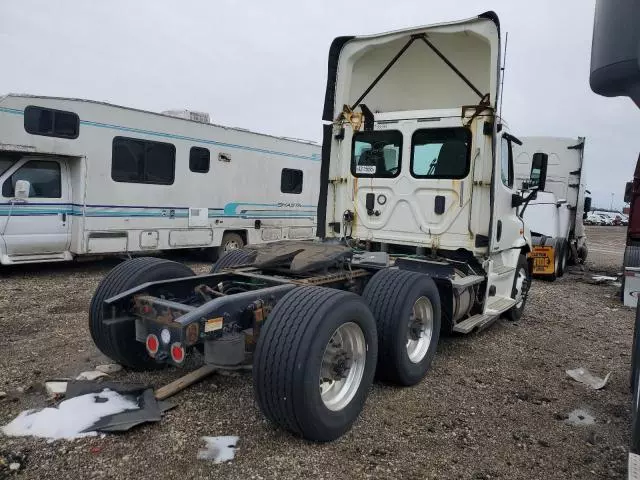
494,405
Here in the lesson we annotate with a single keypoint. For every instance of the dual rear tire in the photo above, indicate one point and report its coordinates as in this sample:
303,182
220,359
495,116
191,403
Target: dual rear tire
320,349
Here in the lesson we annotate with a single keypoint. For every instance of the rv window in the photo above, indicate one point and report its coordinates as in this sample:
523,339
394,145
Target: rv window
441,153
43,175
376,154
506,163
199,159
143,161
51,123
291,181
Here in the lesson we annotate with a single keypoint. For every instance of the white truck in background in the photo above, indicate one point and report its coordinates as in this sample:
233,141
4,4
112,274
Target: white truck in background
555,215
79,177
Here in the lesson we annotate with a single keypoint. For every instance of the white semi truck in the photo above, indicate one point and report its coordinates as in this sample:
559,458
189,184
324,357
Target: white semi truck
419,234
555,216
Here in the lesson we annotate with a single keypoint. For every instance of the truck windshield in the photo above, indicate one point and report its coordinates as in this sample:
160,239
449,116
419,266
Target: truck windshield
441,153
376,154
6,163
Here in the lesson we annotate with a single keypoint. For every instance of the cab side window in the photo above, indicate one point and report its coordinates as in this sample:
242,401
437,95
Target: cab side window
506,163
44,177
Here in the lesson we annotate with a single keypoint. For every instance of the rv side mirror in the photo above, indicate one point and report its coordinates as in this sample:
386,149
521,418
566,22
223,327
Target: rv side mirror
539,170
587,204
627,192
615,49
22,189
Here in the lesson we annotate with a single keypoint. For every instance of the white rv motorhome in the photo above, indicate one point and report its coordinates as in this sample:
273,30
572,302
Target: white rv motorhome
555,216
82,177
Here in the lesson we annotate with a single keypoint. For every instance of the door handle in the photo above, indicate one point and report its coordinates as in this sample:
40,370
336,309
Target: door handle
64,218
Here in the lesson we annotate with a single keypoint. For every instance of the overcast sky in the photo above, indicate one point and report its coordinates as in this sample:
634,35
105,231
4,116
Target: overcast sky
262,64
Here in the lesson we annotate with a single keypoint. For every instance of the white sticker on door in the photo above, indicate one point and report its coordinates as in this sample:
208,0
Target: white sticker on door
366,169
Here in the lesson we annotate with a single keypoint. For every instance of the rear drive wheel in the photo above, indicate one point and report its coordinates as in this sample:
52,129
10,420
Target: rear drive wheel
315,361
406,306
520,290
234,258
118,341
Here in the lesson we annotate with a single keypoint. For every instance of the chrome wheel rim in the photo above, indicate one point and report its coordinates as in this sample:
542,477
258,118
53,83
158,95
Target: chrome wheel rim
522,287
342,366
420,329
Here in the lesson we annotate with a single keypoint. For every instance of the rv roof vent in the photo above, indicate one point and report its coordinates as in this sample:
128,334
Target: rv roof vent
188,115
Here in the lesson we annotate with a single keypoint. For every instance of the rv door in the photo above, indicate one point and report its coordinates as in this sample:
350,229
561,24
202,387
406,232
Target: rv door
35,207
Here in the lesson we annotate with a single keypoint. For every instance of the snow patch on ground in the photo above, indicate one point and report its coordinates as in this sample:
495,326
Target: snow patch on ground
71,418
218,449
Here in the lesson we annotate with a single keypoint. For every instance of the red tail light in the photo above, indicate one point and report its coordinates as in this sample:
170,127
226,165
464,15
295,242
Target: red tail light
177,353
152,344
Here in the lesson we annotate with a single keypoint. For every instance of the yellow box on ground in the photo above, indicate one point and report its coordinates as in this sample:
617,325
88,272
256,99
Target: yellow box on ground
543,260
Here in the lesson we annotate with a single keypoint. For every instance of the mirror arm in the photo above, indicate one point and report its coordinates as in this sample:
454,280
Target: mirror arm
526,202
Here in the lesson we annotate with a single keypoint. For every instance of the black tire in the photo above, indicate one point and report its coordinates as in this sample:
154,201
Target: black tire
391,295
515,313
234,258
230,241
120,344
289,355
563,248
631,259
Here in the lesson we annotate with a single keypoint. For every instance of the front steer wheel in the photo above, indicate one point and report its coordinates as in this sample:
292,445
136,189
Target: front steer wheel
118,342
520,289
406,306
315,361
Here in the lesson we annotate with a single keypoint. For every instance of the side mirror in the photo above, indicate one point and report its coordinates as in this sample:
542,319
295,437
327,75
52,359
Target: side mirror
615,49
628,188
22,189
587,204
539,170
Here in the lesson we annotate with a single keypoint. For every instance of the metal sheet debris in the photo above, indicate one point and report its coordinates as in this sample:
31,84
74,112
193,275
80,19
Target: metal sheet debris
109,368
55,388
218,449
583,375
91,375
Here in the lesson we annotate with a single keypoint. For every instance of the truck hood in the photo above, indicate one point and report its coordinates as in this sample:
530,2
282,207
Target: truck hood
424,76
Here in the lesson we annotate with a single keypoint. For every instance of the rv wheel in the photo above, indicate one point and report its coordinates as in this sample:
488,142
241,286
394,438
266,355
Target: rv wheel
230,241
406,306
118,340
315,361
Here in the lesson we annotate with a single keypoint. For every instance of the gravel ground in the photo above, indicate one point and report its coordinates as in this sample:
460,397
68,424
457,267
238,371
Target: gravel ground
493,406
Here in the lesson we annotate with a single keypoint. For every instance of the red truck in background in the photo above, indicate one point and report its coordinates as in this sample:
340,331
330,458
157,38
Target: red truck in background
632,197
632,248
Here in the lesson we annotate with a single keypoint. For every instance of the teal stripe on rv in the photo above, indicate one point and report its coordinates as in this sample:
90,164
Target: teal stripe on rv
275,211
313,157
